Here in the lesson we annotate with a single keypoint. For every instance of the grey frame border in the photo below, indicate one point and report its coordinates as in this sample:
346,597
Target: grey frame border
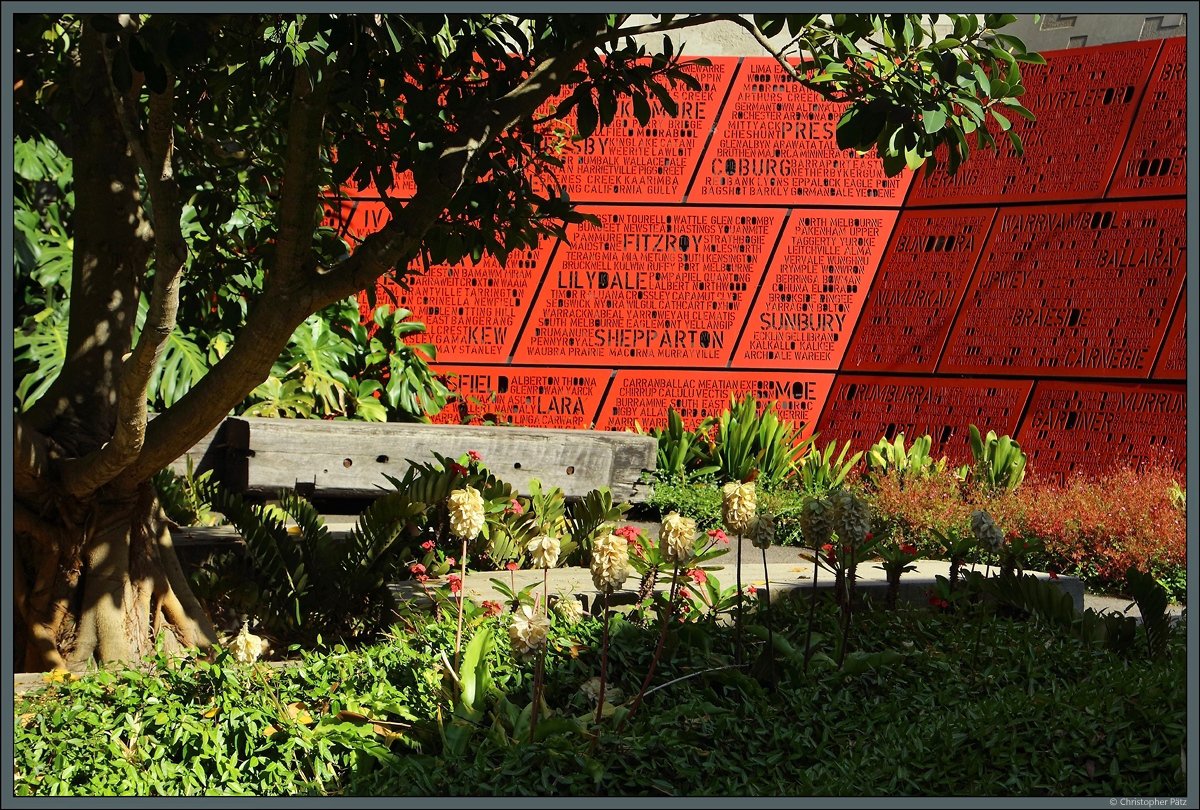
1019,6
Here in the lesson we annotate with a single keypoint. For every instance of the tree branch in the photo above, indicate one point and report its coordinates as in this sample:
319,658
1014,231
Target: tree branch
113,241
300,185
47,537
31,463
402,236
83,475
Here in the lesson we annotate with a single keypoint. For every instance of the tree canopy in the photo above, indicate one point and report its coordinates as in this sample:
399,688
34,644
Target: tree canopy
194,154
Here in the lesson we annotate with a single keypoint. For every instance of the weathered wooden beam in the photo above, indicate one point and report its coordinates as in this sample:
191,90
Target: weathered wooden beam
223,450
349,459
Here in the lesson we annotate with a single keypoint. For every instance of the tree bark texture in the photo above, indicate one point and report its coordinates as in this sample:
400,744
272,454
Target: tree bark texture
99,581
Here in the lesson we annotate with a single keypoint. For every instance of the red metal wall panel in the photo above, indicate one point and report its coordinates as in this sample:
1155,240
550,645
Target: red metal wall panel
1154,160
774,144
814,288
1075,427
624,162
650,286
917,289
1077,289
1172,360
526,397
644,396
471,312
1084,100
863,408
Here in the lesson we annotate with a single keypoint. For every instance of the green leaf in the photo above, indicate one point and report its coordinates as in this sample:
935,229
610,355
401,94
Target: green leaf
586,116
934,120
1015,106
1004,123
982,78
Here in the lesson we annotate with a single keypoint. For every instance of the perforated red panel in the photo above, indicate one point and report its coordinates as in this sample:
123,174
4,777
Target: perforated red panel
1079,427
1078,289
814,289
1084,99
917,289
1172,361
403,188
650,286
526,397
645,396
471,312
865,408
774,144
1154,160
625,162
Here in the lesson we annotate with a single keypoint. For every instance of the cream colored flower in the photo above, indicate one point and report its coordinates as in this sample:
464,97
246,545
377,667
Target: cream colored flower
246,647
610,562
737,506
762,531
677,538
851,518
986,532
568,609
466,513
816,521
591,688
544,549
527,632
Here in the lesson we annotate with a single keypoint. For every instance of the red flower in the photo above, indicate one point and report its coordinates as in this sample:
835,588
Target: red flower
750,589
474,455
945,604
454,582
697,575
427,545
421,578
718,536
512,566
491,608
908,548
1053,573
684,593
417,568
868,536
514,508
630,533
450,561
458,469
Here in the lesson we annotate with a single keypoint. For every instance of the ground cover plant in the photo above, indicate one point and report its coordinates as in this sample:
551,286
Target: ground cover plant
1035,711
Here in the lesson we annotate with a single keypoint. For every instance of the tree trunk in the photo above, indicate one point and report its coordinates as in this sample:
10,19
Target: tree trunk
99,581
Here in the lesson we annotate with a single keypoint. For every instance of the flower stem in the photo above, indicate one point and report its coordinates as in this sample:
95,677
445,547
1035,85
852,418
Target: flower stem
770,624
812,609
539,675
982,613
461,585
847,609
662,634
603,662
738,618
